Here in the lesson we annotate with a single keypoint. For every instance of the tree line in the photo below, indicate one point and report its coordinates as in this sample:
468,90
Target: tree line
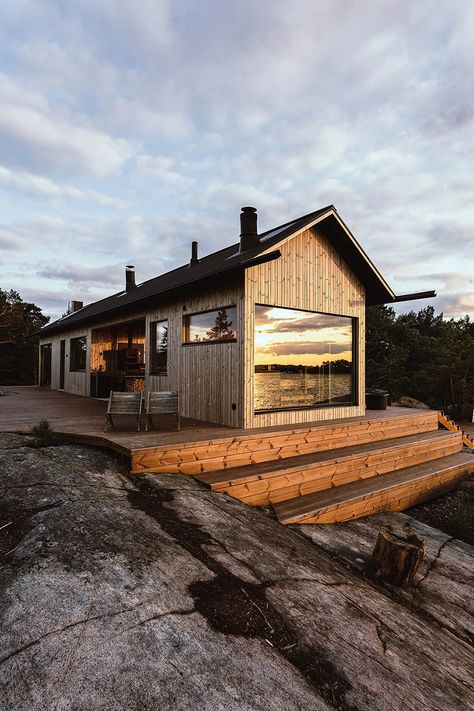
422,355
19,322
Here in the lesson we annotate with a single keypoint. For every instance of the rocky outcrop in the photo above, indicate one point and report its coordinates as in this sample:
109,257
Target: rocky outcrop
163,595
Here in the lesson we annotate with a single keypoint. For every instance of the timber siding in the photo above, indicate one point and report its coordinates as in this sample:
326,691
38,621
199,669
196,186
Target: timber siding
216,380
310,275
208,376
75,382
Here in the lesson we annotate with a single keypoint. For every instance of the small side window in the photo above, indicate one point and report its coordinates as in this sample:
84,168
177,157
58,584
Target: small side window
159,347
210,326
77,354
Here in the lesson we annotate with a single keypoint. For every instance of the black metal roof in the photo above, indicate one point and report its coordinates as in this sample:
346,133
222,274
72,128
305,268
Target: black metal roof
230,259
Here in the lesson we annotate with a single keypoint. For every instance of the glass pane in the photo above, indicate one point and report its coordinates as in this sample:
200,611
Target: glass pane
302,359
78,353
160,346
211,326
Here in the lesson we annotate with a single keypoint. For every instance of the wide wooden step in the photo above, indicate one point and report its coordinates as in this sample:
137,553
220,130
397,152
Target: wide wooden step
270,482
266,446
395,491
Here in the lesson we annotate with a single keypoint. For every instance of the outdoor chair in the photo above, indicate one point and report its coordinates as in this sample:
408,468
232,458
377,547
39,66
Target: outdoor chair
162,403
123,404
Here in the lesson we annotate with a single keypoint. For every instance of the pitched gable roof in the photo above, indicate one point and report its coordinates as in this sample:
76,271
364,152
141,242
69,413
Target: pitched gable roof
231,259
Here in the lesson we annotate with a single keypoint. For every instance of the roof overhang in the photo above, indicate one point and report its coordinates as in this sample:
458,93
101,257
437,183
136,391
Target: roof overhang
414,297
231,261
110,314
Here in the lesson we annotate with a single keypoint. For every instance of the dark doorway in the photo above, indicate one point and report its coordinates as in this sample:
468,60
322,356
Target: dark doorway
45,365
62,363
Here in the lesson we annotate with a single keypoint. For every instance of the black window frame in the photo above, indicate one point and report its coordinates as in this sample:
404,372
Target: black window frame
185,327
154,368
355,366
73,356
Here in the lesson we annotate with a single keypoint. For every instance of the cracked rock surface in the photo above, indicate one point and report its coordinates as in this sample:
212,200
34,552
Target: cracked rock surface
158,594
444,585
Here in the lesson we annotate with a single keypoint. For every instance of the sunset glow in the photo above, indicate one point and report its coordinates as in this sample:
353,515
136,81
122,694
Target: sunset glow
292,337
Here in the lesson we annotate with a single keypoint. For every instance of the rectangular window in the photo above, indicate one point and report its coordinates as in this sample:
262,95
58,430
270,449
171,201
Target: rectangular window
77,353
303,359
45,365
211,326
159,347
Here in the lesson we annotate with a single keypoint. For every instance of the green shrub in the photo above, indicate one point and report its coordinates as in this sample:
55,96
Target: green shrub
43,433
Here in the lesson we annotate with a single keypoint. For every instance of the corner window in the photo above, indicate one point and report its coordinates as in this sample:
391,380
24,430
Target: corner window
159,347
77,353
303,359
211,326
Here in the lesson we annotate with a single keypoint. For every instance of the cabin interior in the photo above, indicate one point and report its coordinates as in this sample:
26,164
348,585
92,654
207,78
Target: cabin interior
117,358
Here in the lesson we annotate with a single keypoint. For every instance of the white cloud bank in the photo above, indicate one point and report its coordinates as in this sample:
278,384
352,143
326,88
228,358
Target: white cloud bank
174,114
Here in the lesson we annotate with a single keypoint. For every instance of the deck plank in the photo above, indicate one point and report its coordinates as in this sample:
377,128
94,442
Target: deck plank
390,492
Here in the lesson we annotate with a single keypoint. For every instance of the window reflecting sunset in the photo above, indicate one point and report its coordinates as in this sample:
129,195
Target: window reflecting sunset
302,358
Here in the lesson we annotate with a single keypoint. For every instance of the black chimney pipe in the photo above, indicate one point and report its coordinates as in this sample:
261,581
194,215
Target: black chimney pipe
248,229
130,278
194,254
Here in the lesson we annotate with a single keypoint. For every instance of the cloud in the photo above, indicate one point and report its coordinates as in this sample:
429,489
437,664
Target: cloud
80,275
162,168
180,113
36,134
7,244
305,347
38,186
300,321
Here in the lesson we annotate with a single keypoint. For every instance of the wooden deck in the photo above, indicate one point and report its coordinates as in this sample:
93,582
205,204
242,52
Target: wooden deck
319,472
82,419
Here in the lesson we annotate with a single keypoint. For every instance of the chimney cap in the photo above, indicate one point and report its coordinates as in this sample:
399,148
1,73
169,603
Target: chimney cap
194,254
248,229
130,278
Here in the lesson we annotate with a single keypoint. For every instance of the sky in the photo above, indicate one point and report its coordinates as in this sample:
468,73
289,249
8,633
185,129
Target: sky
129,128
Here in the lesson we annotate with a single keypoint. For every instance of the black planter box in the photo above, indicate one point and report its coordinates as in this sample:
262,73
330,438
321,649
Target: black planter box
376,401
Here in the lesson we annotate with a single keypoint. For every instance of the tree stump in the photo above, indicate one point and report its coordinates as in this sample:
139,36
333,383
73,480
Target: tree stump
397,555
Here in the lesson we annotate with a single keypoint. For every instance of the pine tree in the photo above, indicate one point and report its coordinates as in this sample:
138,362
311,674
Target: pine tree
221,331
19,321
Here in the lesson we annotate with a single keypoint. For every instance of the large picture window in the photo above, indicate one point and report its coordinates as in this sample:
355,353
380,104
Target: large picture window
77,355
159,347
302,359
210,326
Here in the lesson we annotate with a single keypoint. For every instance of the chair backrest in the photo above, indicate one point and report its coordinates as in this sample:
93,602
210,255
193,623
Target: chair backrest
159,403
124,403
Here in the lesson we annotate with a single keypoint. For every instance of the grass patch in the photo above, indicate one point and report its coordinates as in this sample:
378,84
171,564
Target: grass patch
453,513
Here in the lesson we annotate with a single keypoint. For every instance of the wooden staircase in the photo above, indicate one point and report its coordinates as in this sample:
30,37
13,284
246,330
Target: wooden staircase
395,491
449,424
326,473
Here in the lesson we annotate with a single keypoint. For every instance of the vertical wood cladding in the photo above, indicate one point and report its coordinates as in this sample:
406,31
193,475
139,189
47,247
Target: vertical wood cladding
77,383
310,275
216,380
209,375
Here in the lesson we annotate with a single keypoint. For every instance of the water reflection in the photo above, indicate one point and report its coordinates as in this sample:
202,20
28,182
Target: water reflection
302,358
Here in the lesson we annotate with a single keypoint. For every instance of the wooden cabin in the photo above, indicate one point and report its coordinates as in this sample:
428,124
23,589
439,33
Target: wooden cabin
267,331
265,339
